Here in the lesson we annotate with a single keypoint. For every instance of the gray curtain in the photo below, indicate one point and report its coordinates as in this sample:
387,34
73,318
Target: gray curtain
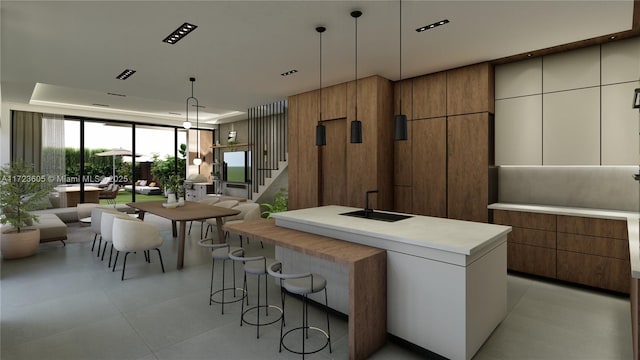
53,154
26,137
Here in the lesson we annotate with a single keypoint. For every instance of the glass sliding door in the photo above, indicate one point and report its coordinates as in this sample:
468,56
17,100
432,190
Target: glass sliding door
160,157
107,161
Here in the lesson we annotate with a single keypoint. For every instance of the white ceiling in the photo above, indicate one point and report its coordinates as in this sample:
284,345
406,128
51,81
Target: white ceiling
74,49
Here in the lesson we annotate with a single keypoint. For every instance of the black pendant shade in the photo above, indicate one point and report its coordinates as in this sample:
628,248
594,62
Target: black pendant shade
321,135
356,132
400,127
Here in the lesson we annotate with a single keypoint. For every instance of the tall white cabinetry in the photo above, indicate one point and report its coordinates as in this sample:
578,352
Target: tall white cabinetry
571,108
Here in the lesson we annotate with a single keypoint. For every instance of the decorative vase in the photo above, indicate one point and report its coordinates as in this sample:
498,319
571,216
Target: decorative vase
181,202
171,198
15,245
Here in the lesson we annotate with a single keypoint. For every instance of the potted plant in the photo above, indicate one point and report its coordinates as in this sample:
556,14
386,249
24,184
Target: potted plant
175,187
280,204
21,190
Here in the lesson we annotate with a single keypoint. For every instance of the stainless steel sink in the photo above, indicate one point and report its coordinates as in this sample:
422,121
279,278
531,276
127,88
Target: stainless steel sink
376,215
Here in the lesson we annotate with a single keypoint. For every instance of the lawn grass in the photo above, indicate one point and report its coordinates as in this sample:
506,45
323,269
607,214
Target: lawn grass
125,197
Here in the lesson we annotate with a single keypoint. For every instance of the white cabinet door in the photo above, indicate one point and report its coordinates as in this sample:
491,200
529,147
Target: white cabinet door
619,125
518,79
571,127
575,69
621,61
518,131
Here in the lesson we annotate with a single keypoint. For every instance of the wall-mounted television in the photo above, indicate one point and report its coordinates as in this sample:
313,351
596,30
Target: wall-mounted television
236,166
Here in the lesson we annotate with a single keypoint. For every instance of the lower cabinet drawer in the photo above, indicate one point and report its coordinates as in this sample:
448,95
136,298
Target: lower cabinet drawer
594,245
532,237
531,259
597,271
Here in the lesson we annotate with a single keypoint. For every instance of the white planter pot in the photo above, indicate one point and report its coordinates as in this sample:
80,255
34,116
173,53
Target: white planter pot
171,198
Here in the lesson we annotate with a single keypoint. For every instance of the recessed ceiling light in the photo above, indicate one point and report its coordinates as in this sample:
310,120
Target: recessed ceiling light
289,72
529,55
125,74
182,31
431,26
612,37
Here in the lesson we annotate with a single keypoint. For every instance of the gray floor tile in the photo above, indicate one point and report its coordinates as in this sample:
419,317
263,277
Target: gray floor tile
111,338
64,303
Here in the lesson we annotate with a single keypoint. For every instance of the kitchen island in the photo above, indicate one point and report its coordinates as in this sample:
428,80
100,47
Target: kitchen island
446,279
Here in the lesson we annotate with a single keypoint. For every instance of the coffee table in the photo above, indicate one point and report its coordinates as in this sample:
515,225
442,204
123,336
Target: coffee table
189,212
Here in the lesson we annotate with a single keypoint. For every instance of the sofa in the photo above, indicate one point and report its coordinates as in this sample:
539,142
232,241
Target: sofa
142,187
51,228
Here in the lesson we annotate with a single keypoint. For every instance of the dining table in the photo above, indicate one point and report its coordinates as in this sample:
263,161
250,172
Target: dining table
179,215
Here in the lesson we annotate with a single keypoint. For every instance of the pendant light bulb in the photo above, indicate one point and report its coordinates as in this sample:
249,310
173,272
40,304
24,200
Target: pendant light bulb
197,161
186,125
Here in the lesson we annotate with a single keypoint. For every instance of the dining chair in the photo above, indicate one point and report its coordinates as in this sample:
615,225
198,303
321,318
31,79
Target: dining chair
131,235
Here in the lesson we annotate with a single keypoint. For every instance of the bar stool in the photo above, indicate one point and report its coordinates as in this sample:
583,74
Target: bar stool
301,284
257,266
221,252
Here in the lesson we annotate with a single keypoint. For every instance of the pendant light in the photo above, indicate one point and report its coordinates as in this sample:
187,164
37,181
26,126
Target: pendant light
400,120
197,161
356,125
321,131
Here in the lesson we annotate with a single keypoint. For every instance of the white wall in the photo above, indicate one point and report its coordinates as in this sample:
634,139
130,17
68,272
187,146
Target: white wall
571,108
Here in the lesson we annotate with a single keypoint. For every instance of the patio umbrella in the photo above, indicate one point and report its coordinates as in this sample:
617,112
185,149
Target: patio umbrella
113,153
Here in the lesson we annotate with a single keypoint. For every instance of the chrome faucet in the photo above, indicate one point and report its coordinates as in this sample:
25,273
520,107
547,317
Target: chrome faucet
368,210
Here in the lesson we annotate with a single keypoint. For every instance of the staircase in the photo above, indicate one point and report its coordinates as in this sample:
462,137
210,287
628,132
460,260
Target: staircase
279,179
267,128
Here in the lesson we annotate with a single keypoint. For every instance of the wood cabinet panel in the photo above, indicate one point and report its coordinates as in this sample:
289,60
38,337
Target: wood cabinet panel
293,163
593,226
531,259
402,152
403,156
384,143
608,247
598,271
470,89
403,89
429,165
468,167
334,163
362,160
403,199
525,219
430,96
532,237
307,150
334,102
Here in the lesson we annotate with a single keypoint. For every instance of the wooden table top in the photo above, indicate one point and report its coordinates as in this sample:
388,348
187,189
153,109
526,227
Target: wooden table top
190,211
339,251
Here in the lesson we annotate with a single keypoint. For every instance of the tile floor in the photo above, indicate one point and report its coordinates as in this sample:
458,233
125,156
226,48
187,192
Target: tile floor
64,303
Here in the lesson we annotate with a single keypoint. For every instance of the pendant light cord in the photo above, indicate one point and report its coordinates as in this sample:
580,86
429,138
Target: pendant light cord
400,110
320,76
197,116
356,68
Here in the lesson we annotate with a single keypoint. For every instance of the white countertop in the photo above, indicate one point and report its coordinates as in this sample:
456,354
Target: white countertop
455,236
632,219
